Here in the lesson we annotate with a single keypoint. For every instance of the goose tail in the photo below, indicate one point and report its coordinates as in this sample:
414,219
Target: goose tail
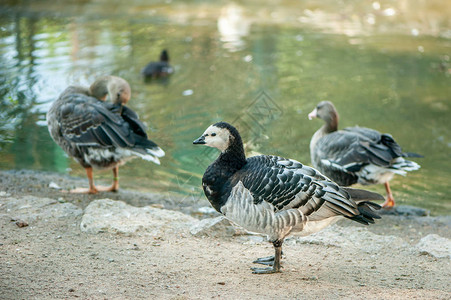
366,208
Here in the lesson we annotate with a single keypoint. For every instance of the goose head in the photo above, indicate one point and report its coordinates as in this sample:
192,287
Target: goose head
117,89
222,136
326,111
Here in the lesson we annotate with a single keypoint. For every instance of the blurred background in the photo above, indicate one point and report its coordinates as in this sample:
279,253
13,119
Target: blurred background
262,66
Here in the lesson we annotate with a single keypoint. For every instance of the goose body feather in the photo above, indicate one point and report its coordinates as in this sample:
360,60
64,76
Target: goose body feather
360,155
97,133
274,195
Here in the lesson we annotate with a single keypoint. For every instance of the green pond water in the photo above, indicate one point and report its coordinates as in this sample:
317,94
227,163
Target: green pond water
260,66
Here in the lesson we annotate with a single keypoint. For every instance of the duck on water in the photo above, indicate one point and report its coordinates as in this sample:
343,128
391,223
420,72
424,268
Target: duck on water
274,195
158,69
97,133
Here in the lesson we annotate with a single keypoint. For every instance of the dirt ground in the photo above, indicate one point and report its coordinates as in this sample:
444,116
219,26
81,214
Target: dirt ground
53,259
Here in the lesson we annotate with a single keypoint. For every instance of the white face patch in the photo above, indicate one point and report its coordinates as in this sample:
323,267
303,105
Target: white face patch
217,138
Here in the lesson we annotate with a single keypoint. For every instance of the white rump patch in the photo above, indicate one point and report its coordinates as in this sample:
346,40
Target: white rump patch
148,157
97,155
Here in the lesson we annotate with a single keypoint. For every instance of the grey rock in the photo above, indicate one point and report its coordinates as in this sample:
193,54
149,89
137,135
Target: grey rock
106,215
207,210
435,245
406,210
31,208
4,194
213,227
353,237
54,185
253,239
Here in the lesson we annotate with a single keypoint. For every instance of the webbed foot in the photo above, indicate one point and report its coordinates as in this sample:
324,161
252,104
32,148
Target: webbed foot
265,270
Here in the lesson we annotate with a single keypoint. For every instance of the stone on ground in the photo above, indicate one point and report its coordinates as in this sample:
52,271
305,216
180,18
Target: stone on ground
106,215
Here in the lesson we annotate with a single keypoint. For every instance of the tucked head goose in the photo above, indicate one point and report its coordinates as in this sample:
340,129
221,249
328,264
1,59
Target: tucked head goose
356,154
158,69
274,195
97,133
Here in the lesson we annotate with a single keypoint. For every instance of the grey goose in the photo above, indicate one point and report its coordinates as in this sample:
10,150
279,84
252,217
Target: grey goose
356,154
276,196
99,133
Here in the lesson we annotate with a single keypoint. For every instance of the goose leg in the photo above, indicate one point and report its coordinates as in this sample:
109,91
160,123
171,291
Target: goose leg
390,202
115,186
92,189
276,262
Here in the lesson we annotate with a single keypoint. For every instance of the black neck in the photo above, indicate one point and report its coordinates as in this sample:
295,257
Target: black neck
233,158
218,174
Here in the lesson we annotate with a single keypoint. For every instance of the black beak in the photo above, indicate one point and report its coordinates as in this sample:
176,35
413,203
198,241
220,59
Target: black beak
200,140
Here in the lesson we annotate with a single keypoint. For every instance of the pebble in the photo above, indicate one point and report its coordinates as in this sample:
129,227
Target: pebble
21,223
55,186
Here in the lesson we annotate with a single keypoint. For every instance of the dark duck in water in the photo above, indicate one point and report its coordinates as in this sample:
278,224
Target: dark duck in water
97,133
158,69
356,154
274,195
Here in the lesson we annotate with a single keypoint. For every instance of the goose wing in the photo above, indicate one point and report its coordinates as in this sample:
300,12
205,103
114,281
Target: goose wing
353,148
288,184
87,121
129,116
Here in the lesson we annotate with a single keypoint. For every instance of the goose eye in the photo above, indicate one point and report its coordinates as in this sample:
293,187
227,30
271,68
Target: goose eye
213,134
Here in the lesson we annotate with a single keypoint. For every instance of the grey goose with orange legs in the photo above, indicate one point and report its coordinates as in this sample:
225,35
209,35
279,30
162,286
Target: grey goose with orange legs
274,195
97,133
356,154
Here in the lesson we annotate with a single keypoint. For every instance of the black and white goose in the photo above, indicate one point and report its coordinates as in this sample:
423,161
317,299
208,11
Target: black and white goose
274,195
356,154
97,133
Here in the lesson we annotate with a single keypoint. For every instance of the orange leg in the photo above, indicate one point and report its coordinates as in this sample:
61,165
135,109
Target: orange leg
115,186
92,189
390,202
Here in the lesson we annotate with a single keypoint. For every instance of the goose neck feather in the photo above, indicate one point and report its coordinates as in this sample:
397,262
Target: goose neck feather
216,180
330,118
331,122
324,130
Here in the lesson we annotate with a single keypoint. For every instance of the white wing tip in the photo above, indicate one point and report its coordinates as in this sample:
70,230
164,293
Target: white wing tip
158,152
151,158
148,157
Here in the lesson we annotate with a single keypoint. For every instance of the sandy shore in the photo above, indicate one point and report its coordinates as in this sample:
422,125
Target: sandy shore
52,258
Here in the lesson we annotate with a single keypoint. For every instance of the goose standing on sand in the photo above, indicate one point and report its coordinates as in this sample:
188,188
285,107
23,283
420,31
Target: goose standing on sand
276,196
158,69
100,134
356,154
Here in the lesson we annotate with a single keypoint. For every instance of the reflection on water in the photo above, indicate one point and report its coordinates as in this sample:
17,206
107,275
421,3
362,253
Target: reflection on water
233,26
263,67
